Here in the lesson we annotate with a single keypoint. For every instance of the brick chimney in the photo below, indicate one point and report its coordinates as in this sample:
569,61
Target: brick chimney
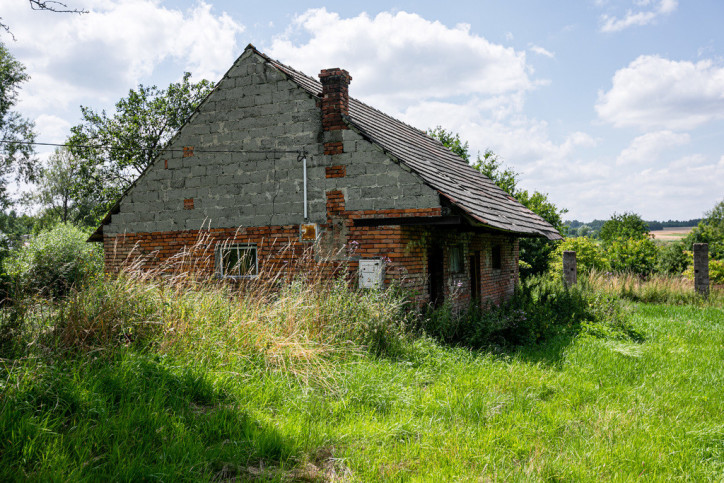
335,98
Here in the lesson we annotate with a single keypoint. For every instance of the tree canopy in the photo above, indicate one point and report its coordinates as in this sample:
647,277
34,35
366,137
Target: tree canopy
710,230
58,194
16,133
115,149
624,225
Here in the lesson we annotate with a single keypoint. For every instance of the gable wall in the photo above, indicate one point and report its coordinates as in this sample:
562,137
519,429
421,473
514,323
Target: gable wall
256,108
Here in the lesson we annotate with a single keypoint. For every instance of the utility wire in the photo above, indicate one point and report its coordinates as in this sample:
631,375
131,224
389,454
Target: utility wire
104,146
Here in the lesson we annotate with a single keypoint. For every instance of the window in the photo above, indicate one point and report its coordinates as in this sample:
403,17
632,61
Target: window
497,257
456,260
237,261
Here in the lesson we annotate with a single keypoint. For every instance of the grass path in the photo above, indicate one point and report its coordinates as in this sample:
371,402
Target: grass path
588,409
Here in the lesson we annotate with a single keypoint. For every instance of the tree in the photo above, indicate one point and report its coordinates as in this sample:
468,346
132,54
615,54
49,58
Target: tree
116,149
534,252
492,167
57,192
16,133
451,141
709,230
623,226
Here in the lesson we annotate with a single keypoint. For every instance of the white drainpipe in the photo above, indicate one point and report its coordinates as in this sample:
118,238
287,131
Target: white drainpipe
303,155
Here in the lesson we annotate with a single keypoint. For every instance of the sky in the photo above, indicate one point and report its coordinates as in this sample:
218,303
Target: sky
608,106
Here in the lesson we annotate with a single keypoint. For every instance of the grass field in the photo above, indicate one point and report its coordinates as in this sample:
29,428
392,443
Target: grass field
671,234
221,401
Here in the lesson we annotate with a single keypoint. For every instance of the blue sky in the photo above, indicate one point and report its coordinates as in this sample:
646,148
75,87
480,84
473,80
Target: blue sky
606,105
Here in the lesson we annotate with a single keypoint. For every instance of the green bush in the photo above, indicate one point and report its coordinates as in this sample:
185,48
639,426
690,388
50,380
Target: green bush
672,259
589,255
53,262
716,270
541,308
636,255
710,230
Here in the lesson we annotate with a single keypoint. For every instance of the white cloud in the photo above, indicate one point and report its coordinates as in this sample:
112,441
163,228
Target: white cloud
52,127
427,74
115,46
640,18
653,92
403,56
647,148
537,49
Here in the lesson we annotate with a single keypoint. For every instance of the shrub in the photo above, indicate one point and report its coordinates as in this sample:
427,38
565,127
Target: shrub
672,259
636,255
710,230
542,307
54,261
589,255
716,269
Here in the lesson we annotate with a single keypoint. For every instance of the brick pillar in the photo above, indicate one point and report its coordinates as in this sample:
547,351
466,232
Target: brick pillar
570,269
701,268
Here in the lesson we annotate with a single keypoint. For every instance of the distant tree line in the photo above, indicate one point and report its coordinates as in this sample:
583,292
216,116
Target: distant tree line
592,228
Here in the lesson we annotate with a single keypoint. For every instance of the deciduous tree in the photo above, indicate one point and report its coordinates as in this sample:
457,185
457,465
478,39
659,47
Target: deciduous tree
115,149
16,132
625,225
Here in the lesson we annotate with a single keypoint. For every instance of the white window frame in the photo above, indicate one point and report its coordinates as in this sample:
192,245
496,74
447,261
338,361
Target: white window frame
223,249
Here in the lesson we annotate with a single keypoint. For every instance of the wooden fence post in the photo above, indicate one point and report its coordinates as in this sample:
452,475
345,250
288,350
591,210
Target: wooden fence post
701,268
570,272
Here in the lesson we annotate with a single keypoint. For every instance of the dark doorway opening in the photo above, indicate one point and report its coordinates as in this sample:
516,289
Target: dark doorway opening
435,275
475,276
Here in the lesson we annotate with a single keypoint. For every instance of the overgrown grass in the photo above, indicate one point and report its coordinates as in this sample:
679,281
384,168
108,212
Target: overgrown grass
542,308
657,288
144,379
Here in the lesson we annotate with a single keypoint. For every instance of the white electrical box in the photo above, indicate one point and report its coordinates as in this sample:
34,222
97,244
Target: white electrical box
371,273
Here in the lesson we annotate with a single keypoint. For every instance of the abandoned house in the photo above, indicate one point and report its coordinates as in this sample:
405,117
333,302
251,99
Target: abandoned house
274,164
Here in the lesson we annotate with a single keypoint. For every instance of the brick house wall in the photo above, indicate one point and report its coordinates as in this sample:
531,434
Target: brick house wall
232,175
282,254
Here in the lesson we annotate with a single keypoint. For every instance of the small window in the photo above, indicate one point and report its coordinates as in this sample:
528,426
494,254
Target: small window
237,261
497,257
456,260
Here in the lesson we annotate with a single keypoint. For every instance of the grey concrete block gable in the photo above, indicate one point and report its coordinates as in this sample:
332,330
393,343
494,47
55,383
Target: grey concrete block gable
245,170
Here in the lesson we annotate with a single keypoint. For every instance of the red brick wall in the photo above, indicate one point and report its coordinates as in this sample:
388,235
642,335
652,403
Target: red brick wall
280,252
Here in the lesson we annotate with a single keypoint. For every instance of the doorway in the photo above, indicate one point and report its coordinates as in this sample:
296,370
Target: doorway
475,276
435,268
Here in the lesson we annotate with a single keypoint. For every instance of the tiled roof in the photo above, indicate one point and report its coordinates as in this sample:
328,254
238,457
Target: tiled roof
444,171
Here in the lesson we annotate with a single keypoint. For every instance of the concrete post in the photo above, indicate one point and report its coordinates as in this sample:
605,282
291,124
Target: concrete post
701,268
570,271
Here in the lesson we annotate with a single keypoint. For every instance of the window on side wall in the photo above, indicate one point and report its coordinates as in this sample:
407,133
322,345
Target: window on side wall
237,261
456,259
497,257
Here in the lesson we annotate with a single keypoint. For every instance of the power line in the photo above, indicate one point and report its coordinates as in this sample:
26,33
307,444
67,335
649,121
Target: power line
105,146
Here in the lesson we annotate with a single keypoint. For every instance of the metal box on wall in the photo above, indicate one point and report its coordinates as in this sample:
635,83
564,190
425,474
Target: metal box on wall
371,273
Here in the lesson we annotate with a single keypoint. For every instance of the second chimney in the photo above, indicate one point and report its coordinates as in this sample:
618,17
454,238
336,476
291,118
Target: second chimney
335,98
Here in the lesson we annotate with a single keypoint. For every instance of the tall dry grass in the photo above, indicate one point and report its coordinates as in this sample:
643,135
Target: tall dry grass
289,318
657,288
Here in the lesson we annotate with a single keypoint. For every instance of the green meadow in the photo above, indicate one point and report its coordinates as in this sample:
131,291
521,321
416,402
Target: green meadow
132,380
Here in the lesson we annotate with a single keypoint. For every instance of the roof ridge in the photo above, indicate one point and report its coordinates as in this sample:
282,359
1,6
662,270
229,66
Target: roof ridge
425,156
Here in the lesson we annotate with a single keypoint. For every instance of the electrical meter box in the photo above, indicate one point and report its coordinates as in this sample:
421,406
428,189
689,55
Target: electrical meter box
371,273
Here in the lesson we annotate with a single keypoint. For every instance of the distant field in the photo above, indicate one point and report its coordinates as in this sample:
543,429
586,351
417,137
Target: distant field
672,234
